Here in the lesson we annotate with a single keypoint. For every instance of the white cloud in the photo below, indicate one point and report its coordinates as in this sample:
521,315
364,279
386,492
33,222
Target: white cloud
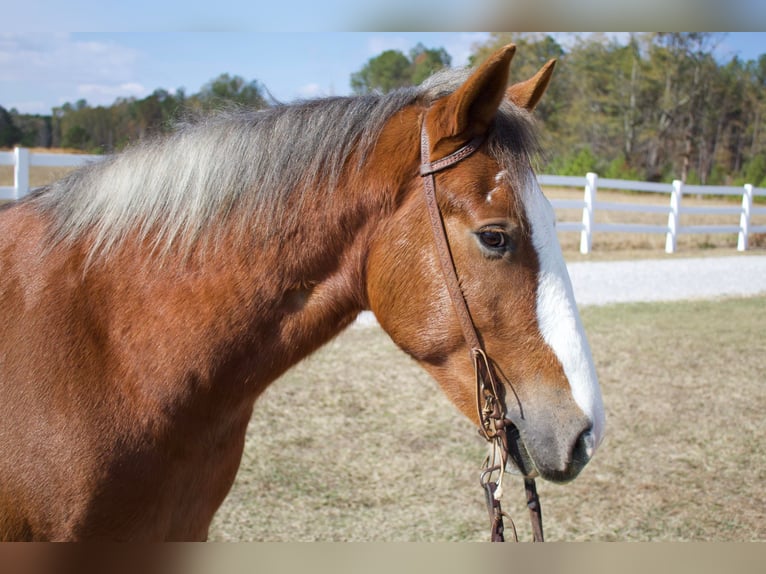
25,57
311,90
61,68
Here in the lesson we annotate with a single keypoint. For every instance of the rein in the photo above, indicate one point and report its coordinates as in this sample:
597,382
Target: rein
491,410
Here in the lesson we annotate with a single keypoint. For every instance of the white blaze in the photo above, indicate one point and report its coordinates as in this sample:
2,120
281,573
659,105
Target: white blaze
557,314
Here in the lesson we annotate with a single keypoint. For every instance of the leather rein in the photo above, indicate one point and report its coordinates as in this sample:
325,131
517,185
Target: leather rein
494,425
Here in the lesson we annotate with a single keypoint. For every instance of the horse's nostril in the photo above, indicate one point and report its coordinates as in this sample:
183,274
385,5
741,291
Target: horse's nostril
585,446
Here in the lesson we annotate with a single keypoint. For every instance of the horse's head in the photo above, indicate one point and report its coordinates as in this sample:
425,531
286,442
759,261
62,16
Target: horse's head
502,237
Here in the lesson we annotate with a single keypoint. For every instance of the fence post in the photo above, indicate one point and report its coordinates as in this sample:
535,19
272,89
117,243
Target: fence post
744,218
21,172
673,216
586,235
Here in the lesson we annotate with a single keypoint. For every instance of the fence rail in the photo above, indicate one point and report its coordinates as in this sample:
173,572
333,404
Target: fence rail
674,209
22,159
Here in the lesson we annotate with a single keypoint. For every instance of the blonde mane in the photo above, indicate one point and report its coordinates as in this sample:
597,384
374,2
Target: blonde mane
241,166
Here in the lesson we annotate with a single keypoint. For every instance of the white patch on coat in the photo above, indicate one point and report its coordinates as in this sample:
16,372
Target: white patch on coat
557,314
499,179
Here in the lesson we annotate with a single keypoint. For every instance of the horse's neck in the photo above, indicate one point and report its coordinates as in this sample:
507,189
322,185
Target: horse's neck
244,312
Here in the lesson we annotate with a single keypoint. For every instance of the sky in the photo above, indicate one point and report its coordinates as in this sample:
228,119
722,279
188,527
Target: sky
39,71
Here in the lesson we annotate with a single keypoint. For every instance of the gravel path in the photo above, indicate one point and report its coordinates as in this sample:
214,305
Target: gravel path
604,282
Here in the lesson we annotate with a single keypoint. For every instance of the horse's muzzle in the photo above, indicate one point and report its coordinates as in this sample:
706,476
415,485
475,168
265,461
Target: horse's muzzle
531,462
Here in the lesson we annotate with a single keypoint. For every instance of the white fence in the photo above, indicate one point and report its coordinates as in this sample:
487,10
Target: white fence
22,159
674,209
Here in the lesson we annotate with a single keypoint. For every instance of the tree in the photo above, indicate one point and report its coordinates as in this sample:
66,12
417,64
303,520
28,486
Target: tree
36,130
76,137
10,134
386,72
108,128
657,107
680,78
226,90
392,69
147,114
756,71
532,52
426,61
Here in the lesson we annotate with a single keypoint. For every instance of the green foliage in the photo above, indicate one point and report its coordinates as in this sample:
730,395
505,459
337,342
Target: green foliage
392,69
76,137
577,163
105,129
657,107
619,168
383,73
9,133
426,61
718,176
755,171
36,130
693,177
226,90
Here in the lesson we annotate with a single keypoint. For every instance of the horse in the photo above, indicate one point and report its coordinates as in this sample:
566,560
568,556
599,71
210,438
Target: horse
148,299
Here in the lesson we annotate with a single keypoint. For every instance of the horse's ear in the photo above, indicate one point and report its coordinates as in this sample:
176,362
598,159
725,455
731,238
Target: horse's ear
528,93
469,111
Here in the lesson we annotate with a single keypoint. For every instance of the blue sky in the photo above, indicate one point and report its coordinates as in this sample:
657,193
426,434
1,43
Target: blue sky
41,70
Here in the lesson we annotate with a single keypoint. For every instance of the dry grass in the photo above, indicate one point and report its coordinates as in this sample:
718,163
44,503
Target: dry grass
379,454
685,458
37,175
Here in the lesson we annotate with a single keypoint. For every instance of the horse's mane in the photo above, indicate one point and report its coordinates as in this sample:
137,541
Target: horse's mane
242,164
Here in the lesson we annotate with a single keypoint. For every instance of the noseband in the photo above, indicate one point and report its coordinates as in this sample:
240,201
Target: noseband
490,407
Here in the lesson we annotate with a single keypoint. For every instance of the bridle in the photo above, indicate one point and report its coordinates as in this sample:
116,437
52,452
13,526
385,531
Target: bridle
494,426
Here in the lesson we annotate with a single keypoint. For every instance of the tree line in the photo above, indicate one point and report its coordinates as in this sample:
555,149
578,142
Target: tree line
100,129
656,107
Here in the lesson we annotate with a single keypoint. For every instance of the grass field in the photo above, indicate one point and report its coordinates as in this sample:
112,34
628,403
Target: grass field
381,455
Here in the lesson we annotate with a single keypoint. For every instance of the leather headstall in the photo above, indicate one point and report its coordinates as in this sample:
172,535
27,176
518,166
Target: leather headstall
490,407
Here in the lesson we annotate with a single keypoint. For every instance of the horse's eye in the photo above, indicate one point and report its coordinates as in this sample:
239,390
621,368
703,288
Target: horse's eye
493,239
